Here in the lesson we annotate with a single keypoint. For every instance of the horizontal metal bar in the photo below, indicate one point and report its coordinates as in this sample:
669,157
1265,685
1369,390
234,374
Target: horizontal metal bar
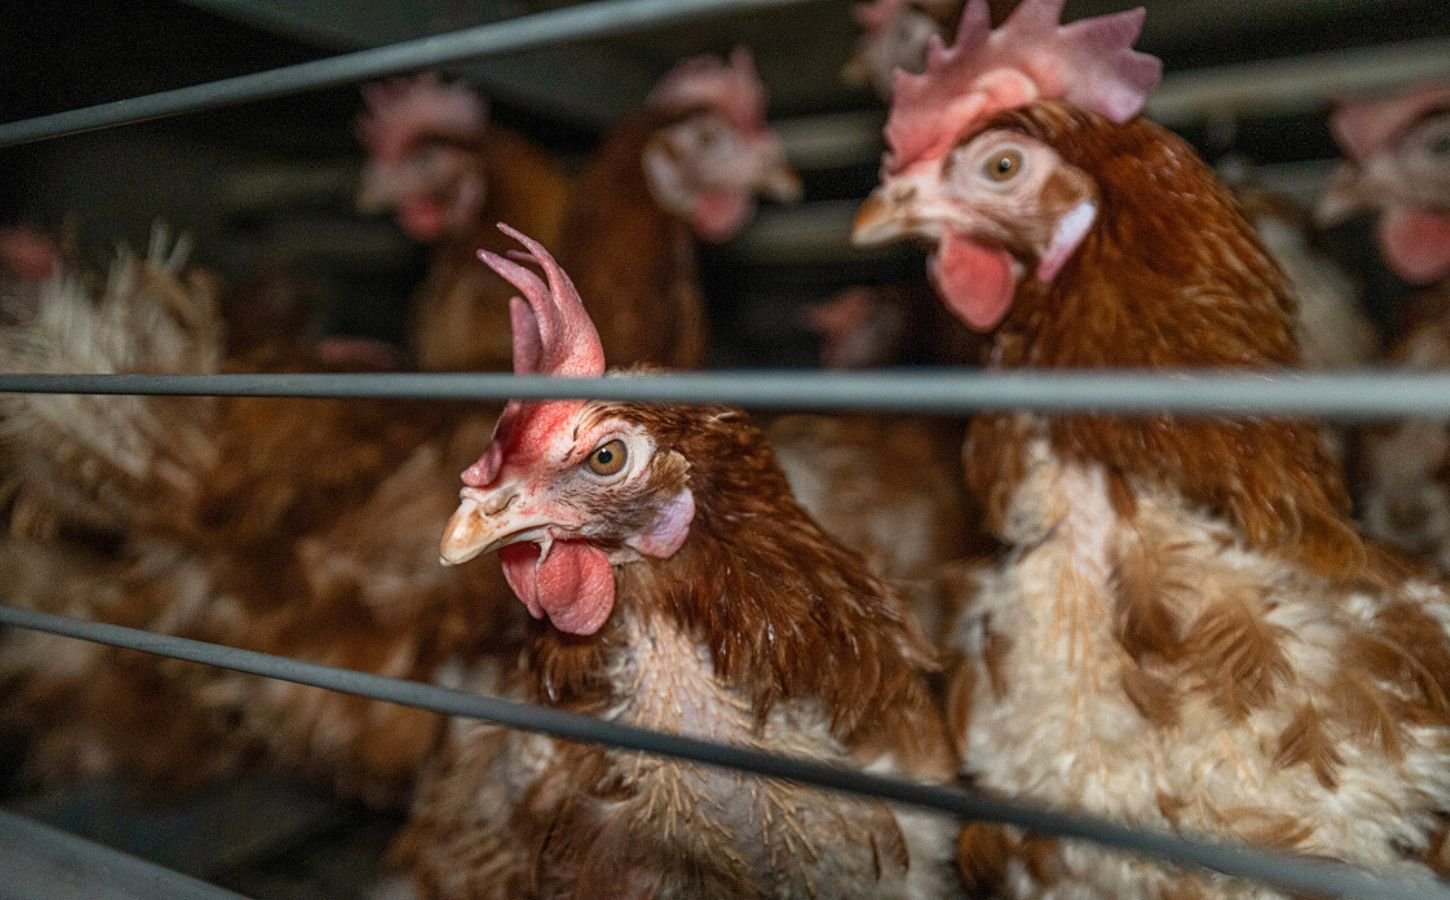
1283,871
1358,396
1300,84
571,23
42,863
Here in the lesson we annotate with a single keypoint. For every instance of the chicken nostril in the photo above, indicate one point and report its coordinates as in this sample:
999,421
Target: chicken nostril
500,505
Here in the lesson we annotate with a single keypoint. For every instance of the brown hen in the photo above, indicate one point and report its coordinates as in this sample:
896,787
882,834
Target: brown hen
683,589
1186,631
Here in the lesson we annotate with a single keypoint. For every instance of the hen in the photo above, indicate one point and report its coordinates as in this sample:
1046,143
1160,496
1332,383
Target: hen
688,165
1186,630
293,527
679,587
894,35
449,174
1399,166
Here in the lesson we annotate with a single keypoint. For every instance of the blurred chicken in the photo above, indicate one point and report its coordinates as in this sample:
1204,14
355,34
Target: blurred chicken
306,528
1399,167
1186,630
1331,327
680,588
449,175
866,327
689,165
894,35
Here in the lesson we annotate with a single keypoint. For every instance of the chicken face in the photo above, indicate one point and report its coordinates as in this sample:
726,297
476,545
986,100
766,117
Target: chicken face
1409,180
566,490
709,171
997,206
895,34
434,190
423,141
581,490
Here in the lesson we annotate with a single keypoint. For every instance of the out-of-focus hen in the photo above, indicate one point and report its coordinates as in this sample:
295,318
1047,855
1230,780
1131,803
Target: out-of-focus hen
679,587
449,175
689,165
1399,167
1186,630
298,527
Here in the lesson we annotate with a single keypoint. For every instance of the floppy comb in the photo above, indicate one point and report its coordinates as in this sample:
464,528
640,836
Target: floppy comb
1089,63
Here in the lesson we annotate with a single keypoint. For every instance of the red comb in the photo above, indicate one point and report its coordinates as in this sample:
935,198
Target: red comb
401,110
553,335
1032,56
1366,127
732,89
552,331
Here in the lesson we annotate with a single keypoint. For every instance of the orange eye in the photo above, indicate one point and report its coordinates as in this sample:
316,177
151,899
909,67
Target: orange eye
608,459
1003,165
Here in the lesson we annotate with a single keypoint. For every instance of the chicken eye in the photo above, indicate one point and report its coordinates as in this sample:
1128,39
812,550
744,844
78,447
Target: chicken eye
607,459
1003,165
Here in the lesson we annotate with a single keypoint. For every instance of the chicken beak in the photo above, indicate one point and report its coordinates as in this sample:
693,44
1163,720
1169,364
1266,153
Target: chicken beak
486,521
884,217
779,180
1345,198
376,192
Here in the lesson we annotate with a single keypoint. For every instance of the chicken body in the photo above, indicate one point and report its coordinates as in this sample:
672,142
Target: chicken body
458,319
683,589
295,527
1399,168
1186,630
449,175
633,260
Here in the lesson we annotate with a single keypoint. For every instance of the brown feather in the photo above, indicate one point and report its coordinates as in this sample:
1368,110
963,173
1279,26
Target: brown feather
1304,741
1216,301
1238,657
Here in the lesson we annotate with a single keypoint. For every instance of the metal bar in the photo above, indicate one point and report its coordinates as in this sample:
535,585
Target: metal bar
1360,396
1283,871
41,863
571,23
1297,85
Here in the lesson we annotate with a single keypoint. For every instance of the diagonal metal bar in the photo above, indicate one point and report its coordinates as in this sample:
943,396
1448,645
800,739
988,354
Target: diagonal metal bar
42,863
1362,396
571,23
1287,872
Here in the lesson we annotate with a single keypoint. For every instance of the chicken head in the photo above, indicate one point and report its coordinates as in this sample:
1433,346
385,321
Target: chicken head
1399,164
894,35
422,138
709,165
997,204
566,489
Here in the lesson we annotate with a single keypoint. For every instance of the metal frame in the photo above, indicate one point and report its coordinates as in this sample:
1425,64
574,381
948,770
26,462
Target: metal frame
1291,873
1363,396
43,862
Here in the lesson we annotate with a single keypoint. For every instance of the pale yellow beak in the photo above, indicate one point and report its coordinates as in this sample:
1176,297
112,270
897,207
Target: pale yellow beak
486,521
884,217
1345,198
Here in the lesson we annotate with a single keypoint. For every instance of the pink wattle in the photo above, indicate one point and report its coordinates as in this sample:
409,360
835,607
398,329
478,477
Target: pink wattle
574,587
975,280
721,213
1416,243
421,220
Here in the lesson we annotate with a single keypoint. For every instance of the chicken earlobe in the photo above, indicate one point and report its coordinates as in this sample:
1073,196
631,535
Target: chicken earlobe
667,533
